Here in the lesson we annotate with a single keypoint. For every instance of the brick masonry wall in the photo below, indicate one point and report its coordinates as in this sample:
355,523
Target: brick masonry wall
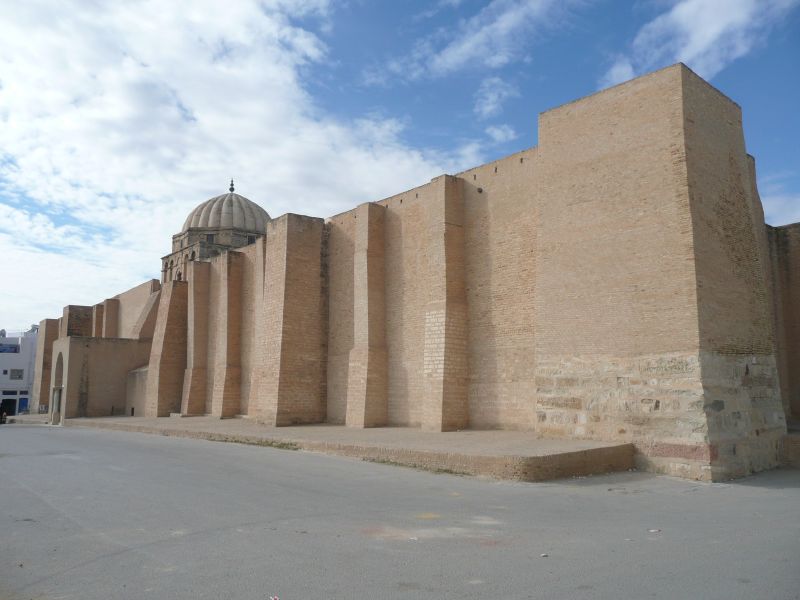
290,385
226,394
193,395
301,397
745,416
215,285
131,304
95,374
97,320
111,318
500,225
784,244
341,250
48,333
616,282
145,326
136,392
167,362
445,406
616,316
76,321
405,247
251,297
265,380
367,399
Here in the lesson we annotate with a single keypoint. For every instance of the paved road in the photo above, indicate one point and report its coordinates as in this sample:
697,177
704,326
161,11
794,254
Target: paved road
88,514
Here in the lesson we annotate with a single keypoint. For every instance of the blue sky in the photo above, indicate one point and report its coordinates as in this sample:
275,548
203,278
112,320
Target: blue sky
119,118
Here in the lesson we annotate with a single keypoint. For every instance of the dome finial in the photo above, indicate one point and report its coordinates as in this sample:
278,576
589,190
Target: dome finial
231,188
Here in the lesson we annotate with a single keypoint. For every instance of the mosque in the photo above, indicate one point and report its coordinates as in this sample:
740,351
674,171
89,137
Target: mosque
615,282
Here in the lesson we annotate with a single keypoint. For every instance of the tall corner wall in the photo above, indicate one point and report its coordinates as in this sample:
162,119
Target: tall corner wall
742,403
616,314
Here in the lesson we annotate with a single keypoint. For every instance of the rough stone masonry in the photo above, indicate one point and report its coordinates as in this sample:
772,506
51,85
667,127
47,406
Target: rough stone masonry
616,282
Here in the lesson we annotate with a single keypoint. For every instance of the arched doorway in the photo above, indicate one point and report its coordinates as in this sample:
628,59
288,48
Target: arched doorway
58,386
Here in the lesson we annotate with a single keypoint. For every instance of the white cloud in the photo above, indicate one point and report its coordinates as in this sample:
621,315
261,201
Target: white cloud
781,206
437,8
501,133
116,119
491,95
495,36
707,35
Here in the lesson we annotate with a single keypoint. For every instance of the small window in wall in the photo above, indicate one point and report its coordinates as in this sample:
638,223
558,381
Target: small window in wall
16,374
210,238
9,392
191,257
5,371
23,392
251,239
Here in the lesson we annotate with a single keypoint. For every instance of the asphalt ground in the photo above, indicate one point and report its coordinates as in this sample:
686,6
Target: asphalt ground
92,514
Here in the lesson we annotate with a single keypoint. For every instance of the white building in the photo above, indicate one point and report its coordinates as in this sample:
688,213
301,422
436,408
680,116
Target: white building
17,355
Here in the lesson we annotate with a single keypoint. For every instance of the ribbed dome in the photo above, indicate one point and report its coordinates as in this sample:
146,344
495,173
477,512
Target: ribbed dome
228,210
